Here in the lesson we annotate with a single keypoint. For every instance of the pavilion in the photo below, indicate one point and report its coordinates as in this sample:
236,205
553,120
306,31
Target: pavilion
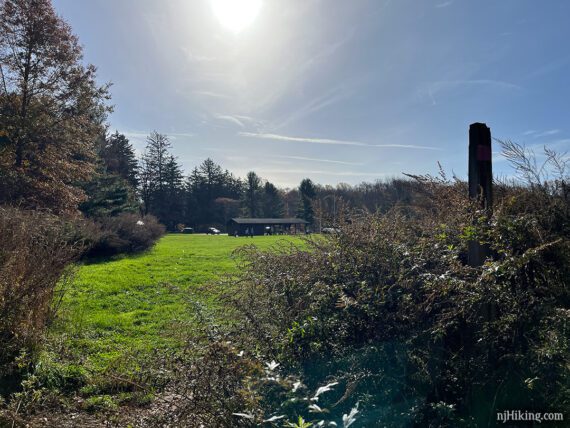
261,226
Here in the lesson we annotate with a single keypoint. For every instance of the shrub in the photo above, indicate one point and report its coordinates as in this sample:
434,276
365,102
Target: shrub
36,250
390,310
126,233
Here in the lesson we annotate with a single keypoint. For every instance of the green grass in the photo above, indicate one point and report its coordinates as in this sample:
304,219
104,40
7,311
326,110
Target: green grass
122,309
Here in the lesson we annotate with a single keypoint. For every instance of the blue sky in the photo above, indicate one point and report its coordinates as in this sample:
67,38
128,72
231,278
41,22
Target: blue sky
334,90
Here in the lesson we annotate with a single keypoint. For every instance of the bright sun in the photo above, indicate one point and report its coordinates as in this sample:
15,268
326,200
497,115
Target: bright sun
235,15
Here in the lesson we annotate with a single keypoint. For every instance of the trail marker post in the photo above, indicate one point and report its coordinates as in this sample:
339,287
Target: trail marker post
480,181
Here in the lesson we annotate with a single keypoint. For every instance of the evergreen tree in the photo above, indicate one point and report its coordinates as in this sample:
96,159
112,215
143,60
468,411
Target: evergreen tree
108,195
153,171
272,202
212,178
171,208
191,206
252,195
307,194
119,157
205,187
161,181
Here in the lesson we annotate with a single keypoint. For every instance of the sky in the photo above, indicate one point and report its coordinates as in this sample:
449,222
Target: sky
338,91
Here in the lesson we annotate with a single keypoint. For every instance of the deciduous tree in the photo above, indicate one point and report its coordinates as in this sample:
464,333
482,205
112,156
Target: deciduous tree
51,108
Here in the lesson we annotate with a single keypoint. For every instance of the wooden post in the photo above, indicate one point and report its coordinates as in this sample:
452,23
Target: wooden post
480,181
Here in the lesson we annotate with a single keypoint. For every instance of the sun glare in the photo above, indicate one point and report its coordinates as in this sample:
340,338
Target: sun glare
236,15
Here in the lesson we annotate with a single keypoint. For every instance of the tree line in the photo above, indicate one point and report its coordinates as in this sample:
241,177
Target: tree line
208,196
211,195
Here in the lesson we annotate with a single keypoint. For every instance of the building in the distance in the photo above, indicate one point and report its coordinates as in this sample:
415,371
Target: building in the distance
263,226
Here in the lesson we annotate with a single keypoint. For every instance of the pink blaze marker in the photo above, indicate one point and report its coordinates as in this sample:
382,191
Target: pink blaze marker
484,153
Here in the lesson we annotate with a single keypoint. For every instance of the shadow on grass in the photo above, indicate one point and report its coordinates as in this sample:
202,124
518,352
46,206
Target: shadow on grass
105,258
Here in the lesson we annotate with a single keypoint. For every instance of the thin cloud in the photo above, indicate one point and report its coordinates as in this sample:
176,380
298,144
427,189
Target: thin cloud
211,94
406,146
302,158
322,172
303,139
486,82
231,119
548,133
244,118
135,134
560,144
540,134
329,50
331,97
328,141
445,4
434,88
312,63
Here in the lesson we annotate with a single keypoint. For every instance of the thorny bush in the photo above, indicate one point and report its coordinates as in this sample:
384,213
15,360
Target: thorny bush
390,309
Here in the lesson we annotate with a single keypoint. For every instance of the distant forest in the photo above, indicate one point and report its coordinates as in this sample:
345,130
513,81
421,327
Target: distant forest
210,195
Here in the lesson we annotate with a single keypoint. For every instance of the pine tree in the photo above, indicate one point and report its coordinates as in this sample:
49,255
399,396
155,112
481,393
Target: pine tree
171,209
108,195
307,194
252,195
272,202
212,179
153,171
205,187
119,157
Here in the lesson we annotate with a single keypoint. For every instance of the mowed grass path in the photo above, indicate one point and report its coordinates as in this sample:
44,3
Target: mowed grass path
138,305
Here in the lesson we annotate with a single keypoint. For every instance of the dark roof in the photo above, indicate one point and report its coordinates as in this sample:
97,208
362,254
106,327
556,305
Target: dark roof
269,221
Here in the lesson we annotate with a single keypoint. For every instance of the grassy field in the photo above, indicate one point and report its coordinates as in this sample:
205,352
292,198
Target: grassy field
122,309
